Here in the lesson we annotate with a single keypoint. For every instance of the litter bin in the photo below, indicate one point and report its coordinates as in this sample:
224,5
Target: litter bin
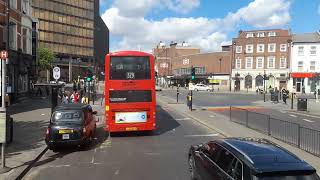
9,129
302,104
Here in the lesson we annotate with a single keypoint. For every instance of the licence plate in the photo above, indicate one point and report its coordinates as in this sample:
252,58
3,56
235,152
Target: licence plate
65,131
131,129
65,136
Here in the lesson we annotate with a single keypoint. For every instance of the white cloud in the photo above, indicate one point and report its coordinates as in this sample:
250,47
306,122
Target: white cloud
135,31
182,6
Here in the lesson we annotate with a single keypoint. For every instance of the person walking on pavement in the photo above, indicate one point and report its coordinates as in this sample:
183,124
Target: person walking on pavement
65,99
303,89
285,95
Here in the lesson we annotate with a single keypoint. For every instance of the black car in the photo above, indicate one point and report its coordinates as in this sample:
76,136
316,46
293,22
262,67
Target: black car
71,124
246,159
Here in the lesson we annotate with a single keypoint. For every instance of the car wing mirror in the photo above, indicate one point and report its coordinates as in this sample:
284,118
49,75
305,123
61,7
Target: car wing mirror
94,112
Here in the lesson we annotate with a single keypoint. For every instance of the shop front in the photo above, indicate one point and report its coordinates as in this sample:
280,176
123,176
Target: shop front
305,82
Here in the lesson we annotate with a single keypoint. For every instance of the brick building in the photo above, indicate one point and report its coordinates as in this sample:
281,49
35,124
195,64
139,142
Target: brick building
174,63
257,52
21,65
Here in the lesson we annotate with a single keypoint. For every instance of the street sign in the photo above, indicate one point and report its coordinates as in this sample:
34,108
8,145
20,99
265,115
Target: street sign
3,55
56,73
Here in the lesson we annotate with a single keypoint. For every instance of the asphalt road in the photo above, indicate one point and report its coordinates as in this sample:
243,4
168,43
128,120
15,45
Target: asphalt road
217,101
133,156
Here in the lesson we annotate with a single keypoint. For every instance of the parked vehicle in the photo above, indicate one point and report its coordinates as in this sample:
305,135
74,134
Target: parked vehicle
246,159
158,88
71,124
200,87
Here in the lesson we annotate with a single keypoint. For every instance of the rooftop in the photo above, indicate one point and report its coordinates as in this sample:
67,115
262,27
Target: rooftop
266,156
306,37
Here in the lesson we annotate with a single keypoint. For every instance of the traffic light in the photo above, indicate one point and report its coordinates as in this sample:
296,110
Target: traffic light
193,73
89,77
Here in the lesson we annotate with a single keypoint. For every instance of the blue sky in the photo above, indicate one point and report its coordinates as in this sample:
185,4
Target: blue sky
206,24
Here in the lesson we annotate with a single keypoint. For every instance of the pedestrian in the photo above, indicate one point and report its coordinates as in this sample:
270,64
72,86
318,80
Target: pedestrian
72,97
65,99
76,97
303,89
285,95
276,92
74,86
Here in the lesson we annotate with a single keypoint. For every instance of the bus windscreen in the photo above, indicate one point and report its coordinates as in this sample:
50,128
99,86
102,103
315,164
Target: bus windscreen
130,68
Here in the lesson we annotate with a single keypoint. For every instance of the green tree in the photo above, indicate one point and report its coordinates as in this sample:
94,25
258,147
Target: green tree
45,58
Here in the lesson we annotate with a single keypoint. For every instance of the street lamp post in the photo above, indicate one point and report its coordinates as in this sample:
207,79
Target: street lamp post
264,86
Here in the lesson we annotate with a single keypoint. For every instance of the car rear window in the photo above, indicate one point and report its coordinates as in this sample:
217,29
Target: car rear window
313,176
67,116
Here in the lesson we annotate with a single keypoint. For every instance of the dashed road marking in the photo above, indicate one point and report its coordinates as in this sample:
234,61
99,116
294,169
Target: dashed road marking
183,119
212,116
292,115
306,115
202,135
308,120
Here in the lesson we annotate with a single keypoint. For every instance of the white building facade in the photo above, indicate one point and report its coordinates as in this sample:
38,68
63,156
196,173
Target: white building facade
305,62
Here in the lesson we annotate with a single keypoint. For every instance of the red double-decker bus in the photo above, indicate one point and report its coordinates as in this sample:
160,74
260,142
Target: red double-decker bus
130,100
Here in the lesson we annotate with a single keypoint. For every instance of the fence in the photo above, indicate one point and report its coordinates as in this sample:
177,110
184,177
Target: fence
304,138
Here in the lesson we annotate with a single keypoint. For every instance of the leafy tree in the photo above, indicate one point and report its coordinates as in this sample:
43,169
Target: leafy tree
45,58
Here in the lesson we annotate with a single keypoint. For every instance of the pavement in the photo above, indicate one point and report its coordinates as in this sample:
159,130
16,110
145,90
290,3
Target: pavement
30,120
226,128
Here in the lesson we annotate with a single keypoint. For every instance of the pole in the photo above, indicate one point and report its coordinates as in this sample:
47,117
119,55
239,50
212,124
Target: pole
4,169
177,94
291,100
264,86
191,101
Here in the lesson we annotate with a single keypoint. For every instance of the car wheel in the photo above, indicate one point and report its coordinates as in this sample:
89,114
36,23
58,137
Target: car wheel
196,89
192,168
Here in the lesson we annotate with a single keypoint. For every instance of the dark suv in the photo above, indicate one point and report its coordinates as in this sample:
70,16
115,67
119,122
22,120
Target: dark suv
71,124
246,159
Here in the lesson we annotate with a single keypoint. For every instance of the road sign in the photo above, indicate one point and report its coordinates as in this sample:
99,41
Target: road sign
3,54
56,73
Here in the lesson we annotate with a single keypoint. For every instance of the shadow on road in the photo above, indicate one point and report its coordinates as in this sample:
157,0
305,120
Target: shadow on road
29,105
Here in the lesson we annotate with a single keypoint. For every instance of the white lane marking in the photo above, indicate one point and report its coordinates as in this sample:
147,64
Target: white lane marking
152,153
308,120
182,119
305,115
212,116
292,115
202,135
42,114
117,172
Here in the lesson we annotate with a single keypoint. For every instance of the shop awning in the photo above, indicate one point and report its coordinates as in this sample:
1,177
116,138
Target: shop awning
303,75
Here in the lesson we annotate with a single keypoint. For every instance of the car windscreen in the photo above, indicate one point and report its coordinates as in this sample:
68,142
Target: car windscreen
130,68
313,176
71,116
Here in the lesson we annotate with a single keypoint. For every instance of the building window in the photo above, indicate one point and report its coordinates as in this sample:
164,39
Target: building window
312,65
249,48
249,35
271,34
259,81
238,63
260,48
13,4
248,81
239,49
271,62
313,50
260,62
300,50
272,47
283,47
260,34
283,62
300,66
13,36
249,62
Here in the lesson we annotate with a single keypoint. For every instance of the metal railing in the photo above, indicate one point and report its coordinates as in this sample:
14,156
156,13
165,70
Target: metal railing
304,138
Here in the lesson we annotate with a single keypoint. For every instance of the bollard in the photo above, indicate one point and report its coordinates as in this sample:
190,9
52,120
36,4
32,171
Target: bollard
177,95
